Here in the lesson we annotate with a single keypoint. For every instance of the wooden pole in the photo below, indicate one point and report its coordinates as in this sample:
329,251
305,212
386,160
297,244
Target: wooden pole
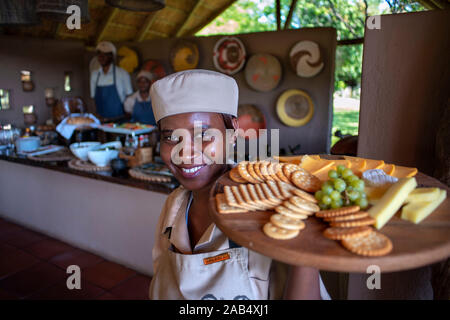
278,15
287,24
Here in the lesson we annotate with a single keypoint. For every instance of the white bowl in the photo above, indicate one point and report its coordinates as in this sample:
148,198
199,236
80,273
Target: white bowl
102,158
81,149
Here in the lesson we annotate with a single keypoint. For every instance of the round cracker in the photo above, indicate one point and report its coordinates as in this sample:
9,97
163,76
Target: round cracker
235,176
288,168
294,208
372,245
347,217
304,204
305,195
367,221
337,212
242,169
305,181
263,169
251,171
286,222
279,233
290,213
336,233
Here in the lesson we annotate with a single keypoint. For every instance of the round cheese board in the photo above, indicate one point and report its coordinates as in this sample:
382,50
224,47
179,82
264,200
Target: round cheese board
414,245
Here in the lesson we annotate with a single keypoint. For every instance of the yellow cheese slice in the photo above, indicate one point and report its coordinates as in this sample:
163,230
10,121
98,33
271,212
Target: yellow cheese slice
391,201
404,172
389,169
323,175
423,195
373,164
295,159
314,166
346,163
417,211
374,194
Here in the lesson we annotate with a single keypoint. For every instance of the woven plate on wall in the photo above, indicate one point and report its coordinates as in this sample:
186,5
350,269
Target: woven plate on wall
184,56
306,59
295,108
263,72
229,55
250,117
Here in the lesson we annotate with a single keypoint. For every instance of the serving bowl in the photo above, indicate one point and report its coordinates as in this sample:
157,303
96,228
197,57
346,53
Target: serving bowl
81,149
27,144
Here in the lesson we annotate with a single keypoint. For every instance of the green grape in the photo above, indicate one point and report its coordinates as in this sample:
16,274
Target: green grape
363,194
326,189
340,169
335,195
358,185
337,203
362,203
353,195
318,195
332,174
347,173
326,199
349,188
323,206
339,185
351,178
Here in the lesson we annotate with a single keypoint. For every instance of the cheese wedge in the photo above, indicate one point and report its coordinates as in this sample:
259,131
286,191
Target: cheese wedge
423,195
391,201
295,159
315,166
373,164
417,211
389,169
374,194
404,172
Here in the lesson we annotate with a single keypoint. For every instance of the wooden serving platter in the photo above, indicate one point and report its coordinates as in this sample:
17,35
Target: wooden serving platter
414,245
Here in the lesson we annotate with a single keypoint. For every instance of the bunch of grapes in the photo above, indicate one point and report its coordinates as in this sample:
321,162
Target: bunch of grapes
342,189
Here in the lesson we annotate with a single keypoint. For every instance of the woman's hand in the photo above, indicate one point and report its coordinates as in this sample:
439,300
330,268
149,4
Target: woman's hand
302,284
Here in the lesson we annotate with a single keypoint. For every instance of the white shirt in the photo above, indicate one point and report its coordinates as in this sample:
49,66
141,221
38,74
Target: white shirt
131,100
123,81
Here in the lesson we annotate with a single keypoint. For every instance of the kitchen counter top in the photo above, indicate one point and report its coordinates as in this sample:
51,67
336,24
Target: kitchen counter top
107,176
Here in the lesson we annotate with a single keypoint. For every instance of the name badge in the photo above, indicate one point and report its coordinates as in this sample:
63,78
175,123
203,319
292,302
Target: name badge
220,257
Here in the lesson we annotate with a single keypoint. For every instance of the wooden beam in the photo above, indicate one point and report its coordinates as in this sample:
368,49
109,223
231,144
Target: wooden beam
210,18
287,24
104,25
350,42
278,12
180,30
140,36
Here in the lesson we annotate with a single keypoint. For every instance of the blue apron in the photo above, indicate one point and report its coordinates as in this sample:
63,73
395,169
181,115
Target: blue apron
143,113
107,99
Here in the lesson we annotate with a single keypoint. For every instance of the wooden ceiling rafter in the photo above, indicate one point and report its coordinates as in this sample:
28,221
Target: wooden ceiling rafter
104,25
180,30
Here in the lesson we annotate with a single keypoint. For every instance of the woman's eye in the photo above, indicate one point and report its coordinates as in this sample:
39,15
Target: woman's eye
171,138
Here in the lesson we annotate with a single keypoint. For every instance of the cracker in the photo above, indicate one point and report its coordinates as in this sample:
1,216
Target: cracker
346,217
224,207
279,233
251,171
304,204
240,200
281,175
274,188
293,207
290,213
243,189
372,245
337,212
254,195
284,188
263,169
256,166
305,181
272,168
269,195
263,197
367,221
235,176
242,169
336,233
305,195
288,168
286,222
231,199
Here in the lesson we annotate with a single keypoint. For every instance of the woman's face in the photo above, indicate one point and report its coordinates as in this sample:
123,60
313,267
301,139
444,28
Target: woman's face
143,84
194,170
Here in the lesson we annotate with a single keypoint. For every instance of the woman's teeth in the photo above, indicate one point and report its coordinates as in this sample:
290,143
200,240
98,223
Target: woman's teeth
191,170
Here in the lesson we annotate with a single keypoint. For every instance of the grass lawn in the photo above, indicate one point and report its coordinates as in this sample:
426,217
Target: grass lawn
346,121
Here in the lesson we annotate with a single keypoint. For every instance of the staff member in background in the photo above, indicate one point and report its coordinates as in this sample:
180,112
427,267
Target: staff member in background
139,104
110,84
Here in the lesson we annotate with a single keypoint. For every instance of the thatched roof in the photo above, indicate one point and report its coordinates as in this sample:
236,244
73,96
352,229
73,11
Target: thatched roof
179,18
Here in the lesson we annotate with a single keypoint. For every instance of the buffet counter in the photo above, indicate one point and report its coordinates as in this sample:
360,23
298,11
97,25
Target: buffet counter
114,217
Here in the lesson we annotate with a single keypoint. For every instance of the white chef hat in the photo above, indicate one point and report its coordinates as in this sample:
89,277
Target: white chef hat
194,91
105,47
145,74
